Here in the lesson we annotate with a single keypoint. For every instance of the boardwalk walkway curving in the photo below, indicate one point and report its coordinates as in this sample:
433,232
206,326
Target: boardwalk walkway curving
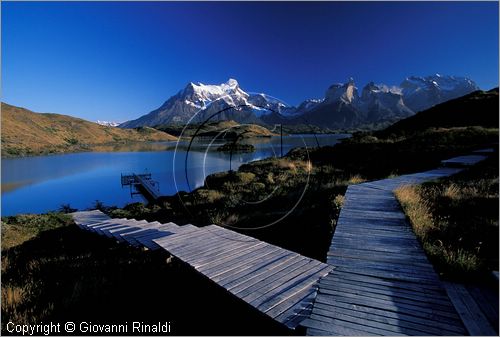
277,282
382,282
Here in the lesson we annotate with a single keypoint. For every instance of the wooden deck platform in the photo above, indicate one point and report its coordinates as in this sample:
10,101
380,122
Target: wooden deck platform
142,184
148,185
382,282
277,282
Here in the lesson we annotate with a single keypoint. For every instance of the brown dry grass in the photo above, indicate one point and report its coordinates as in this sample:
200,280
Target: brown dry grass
25,132
457,221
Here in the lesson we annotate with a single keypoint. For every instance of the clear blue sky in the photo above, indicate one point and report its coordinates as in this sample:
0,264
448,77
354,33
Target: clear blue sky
117,61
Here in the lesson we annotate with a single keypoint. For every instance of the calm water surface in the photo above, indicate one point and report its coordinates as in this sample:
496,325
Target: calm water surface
44,183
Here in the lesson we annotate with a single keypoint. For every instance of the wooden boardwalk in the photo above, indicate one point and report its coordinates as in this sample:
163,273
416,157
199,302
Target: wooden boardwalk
277,282
477,305
377,280
382,282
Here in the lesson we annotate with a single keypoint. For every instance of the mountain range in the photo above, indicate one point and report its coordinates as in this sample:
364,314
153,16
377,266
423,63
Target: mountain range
342,107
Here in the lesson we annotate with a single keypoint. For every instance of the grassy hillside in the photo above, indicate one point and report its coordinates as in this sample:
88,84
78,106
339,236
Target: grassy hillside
232,130
27,133
66,274
456,219
479,108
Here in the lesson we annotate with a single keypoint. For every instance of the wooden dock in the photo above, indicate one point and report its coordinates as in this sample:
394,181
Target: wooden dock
277,282
382,282
145,182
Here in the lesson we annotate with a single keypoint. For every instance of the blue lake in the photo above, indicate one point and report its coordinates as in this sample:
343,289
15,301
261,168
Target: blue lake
44,183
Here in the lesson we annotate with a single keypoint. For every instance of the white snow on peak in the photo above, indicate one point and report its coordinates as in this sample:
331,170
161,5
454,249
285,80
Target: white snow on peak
232,83
106,123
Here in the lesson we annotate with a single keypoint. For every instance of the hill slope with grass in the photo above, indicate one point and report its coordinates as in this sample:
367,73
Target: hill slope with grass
25,132
222,129
479,108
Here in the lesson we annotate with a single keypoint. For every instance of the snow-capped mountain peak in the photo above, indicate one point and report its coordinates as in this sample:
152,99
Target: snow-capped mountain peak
423,92
106,123
346,92
342,106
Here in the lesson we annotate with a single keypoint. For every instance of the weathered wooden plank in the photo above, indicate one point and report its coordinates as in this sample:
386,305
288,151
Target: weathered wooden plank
264,272
369,321
365,231
263,253
268,277
105,232
292,289
181,234
394,318
209,254
288,306
392,324
241,251
88,217
213,242
489,306
370,293
183,231
392,260
201,247
132,237
377,240
381,256
389,275
116,233
354,224
388,267
250,266
430,288
427,315
297,312
387,302
208,265
352,325
387,261
183,242
95,226
270,289
155,236
410,293
225,251
471,315
316,328
361,220
380,249
464,160
131,225
158,233
373,214
182,238
301,292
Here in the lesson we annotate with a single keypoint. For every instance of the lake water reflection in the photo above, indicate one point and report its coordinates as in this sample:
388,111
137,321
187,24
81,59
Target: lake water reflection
44,183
